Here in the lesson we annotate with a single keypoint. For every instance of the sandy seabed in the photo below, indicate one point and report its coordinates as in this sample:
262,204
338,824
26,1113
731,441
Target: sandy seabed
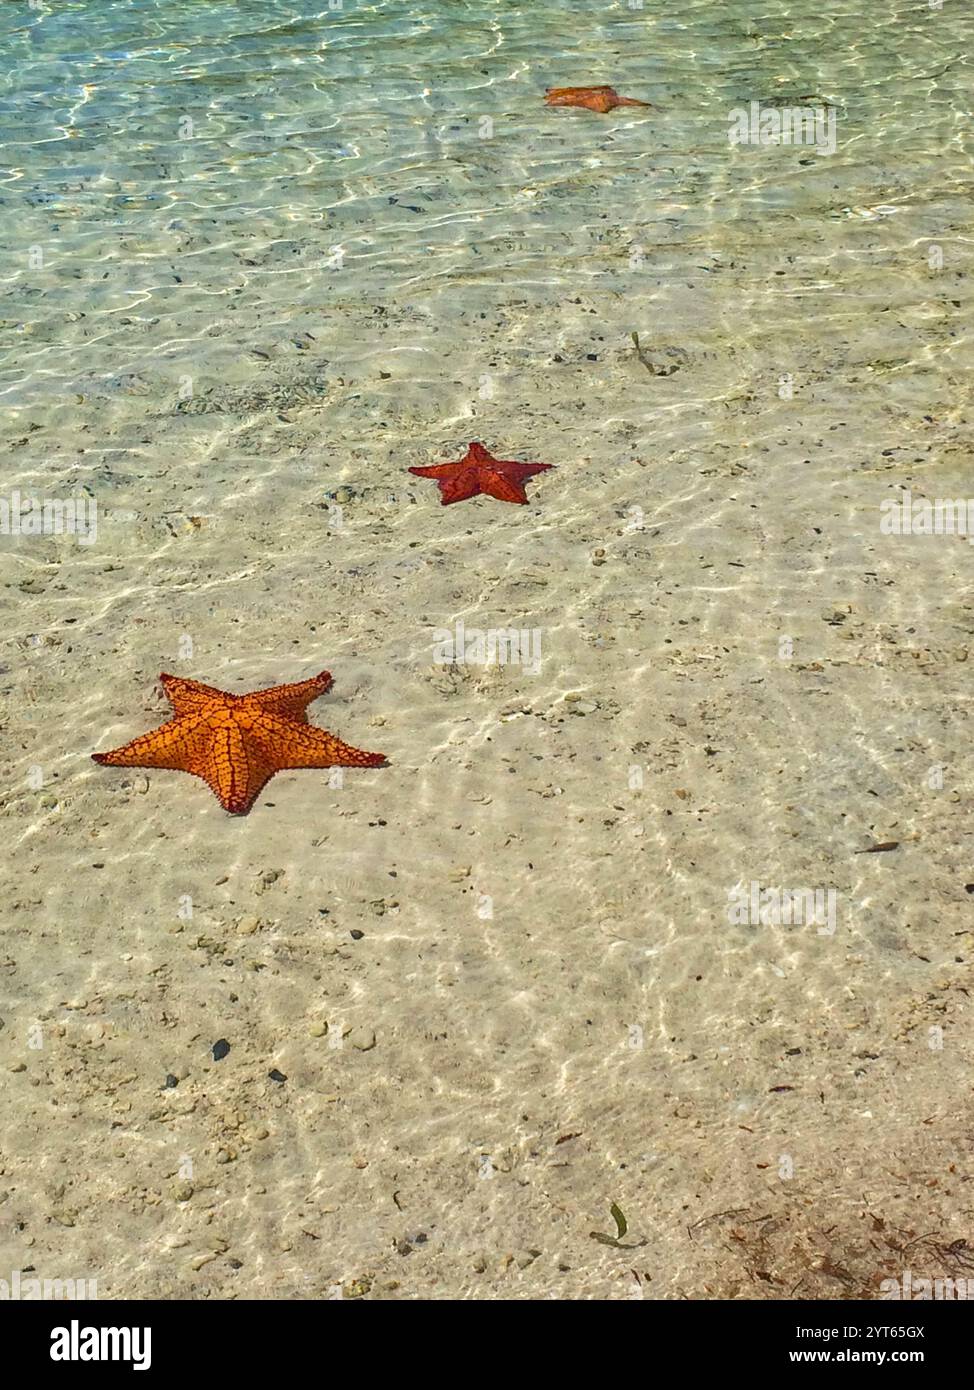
476,998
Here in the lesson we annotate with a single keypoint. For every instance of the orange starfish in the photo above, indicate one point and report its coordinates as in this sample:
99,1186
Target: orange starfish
600,99
237,742
479,472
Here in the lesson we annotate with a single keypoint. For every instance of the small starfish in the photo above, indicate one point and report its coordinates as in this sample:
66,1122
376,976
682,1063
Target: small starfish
600,99
479,472
237,742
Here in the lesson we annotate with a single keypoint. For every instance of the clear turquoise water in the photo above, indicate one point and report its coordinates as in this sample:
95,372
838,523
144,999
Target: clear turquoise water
256,260
363,129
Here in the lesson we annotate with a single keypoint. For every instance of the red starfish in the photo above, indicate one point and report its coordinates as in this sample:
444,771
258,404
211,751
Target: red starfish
479,472
600,99
237,742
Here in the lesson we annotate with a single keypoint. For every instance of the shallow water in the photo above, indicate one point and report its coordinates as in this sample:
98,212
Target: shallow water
260,259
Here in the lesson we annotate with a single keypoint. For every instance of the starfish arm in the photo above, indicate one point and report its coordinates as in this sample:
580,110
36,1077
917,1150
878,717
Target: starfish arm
595,98
574,91
575,96
189,697
235,768
440,470
505,479
292,745
456,481
461,488
477,453
289,701
505,489
523,470
175,744
601,99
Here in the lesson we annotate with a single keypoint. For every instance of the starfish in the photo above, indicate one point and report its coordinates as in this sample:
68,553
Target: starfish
479,472
600,99
237,742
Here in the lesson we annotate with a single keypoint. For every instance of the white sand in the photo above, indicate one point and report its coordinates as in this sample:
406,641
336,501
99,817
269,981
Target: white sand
563,1016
